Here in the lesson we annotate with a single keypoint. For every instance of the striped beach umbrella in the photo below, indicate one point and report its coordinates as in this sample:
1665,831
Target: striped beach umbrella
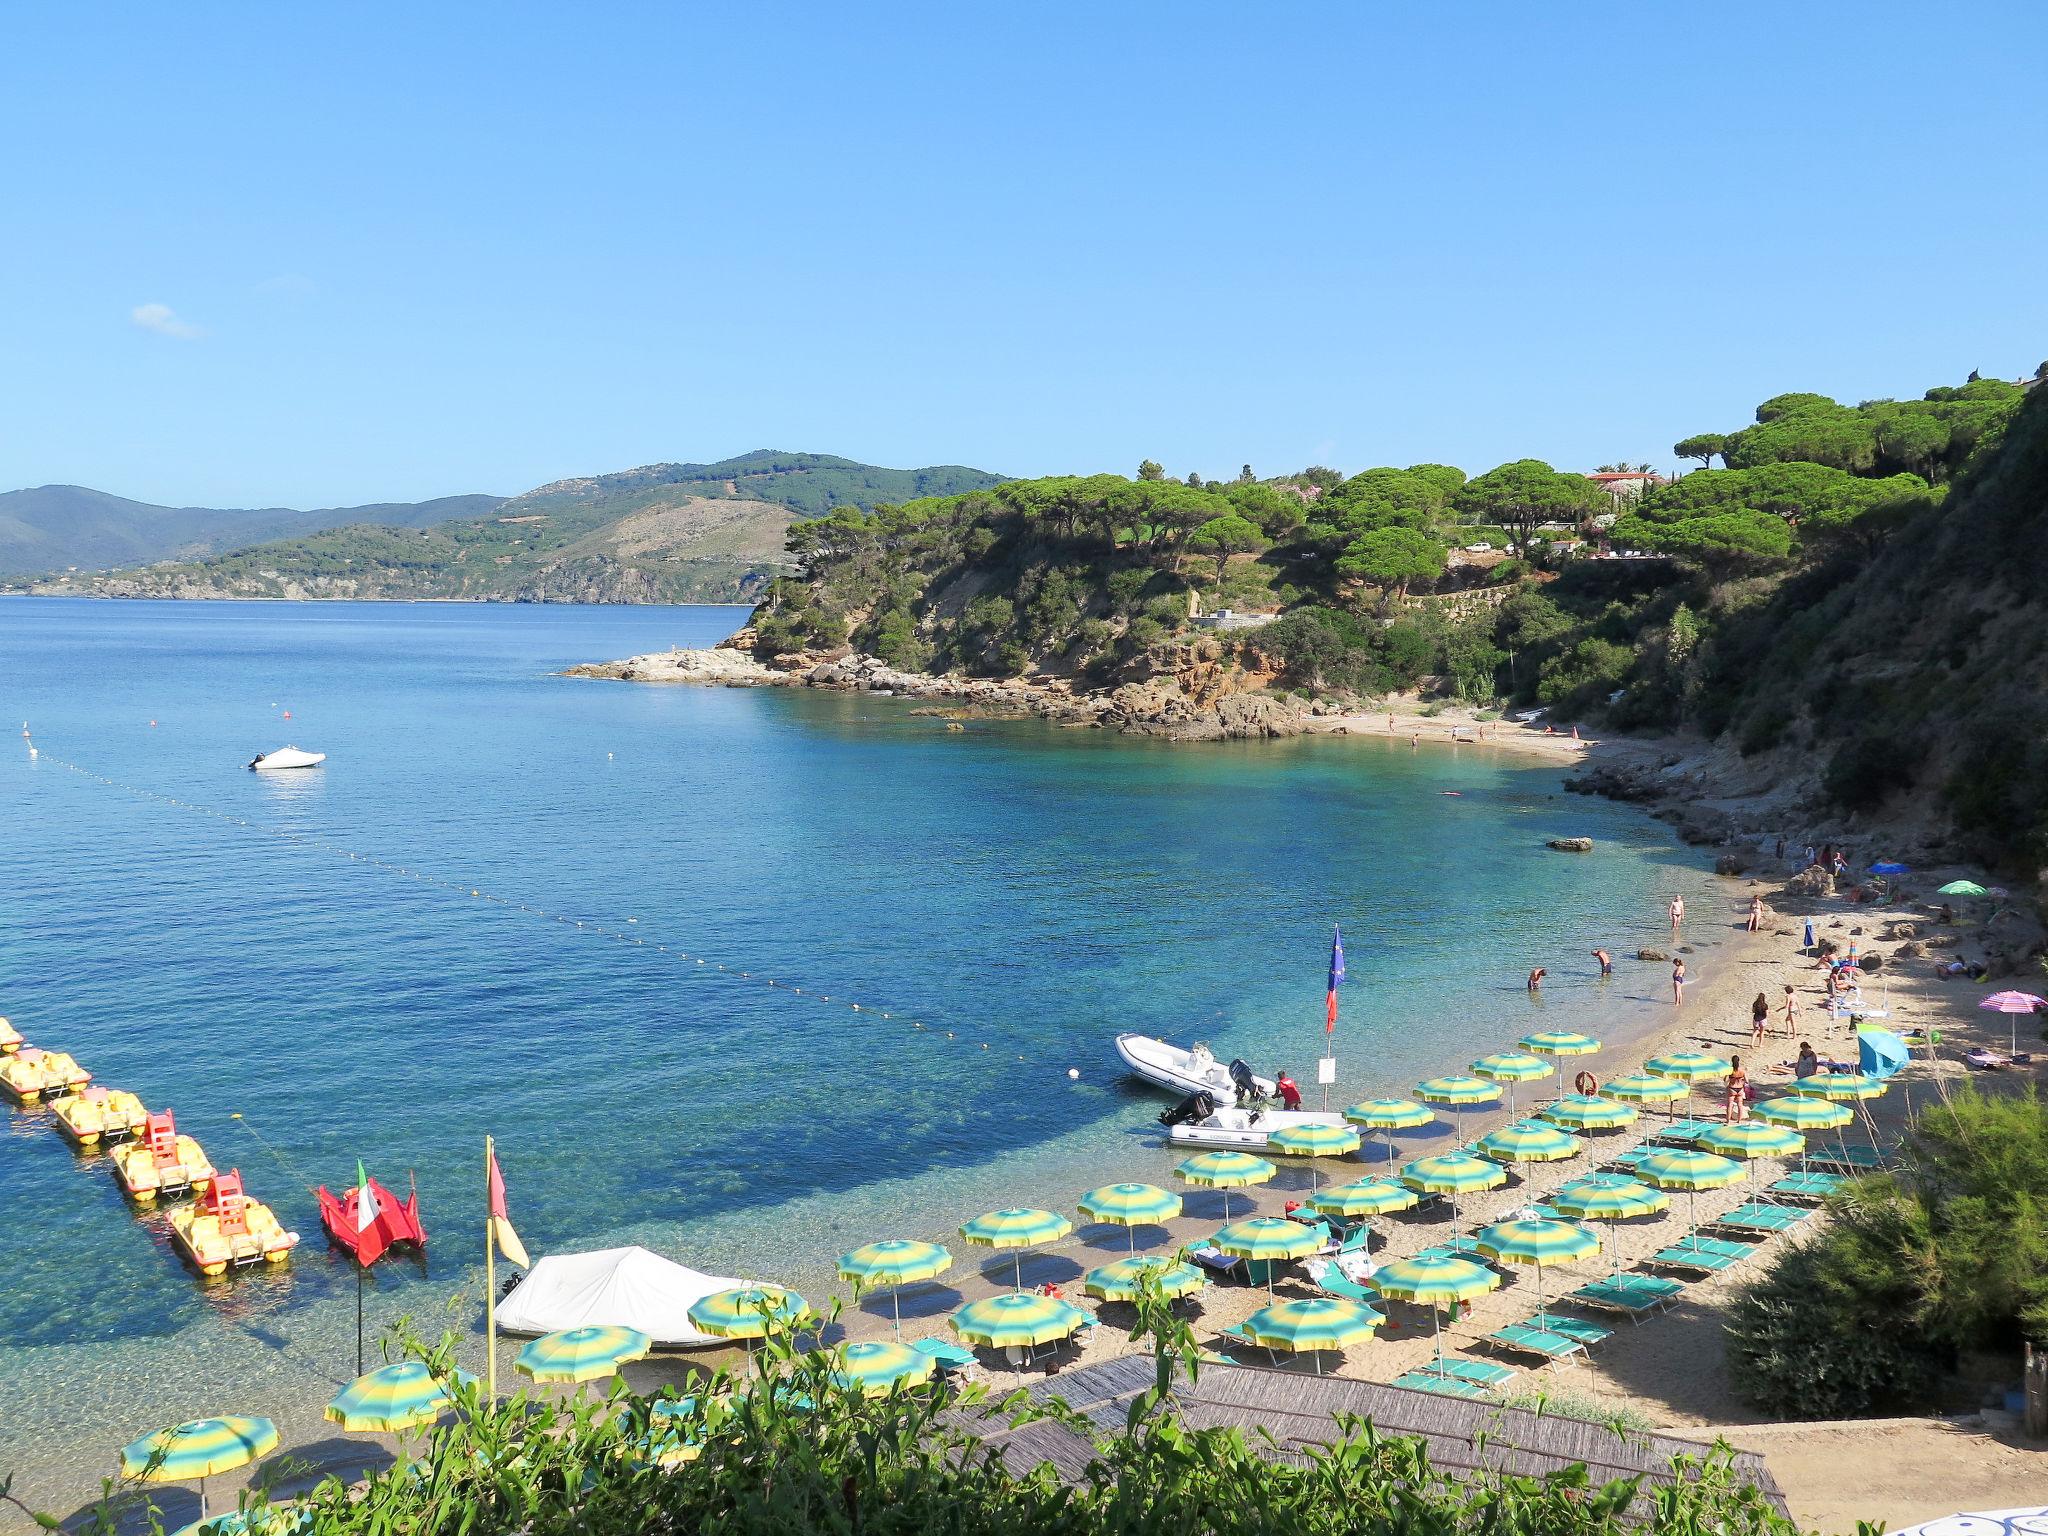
1268,1237
1015,1322
1689,1066
197,1449
1746,1139
1122,1281
1226,1171
1313,1140
1389,1115
1841,1087
584,1354
1020,1227
1432,1283
749,1311
896,1262
1799,1112
1313,1325
1645,1088
1131,1206
1369,1197
1589,1112
1609,1203
876,1369
400,1396
1689,1171
1529,1143
1560,1042
1511,1067
1456,1090
1453,1174
1538,1244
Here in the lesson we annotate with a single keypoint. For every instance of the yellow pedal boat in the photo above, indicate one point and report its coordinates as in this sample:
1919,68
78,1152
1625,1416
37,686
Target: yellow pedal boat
99,1114
161,1161
30,1074
10,1038
228,1228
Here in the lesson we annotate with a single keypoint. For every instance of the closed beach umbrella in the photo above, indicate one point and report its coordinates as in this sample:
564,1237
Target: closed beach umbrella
1122,1281
584,1354
400,1396
1538,1244
1529,1143
195,1450
1314,1140
1963,888
1369,1197
1610,1203
1433,1283
1511,1067
1591,1113
1131,1206
1016,1321
1226,1171
1020,1227
1841,1087
1389,1115
1801,1112
896,1261
877,1369
1809,935
1689,1171
1313,1325
1689,1066
1453,1174
1271,1238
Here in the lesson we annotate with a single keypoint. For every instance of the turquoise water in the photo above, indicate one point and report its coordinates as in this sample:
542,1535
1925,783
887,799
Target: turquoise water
1030,889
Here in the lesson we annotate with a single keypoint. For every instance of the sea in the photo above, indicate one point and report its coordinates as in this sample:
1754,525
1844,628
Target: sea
549,910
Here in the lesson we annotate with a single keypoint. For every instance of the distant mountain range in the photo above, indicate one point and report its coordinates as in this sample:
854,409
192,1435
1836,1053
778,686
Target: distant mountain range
662,533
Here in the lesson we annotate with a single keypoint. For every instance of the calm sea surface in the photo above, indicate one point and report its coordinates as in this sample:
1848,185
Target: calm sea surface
1023,891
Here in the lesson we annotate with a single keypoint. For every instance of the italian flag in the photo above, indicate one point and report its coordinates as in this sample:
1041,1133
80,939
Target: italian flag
366,1203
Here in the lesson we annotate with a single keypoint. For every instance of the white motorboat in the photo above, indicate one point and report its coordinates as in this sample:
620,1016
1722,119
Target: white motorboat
1243,1130
287,757
1195,1071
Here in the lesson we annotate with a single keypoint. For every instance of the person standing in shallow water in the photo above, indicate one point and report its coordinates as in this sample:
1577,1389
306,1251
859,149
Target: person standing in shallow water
1606,962
1678,983
1677,912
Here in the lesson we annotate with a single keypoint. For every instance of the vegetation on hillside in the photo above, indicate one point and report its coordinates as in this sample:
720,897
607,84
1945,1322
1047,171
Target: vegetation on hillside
1949,1254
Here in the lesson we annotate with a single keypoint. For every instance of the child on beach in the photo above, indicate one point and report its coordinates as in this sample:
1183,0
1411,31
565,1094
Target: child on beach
1678,983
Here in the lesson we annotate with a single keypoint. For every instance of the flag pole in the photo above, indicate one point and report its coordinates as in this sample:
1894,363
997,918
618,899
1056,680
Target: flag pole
490,1287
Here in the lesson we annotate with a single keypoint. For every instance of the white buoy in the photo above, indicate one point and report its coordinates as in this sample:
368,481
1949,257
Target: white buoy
1074,1074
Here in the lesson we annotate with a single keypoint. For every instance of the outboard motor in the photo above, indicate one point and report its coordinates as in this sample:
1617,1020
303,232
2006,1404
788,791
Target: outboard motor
1192,1110
1241,1078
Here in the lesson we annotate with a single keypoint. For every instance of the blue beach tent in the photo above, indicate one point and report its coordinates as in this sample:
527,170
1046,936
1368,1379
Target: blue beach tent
1880,1052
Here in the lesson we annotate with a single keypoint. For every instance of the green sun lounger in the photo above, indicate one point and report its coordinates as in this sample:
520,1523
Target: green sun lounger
1628,1159
1685,1130
1335,1283
1442,1386
1588,1334
1762,1219
1808,1186
1857,1159
950,1357
1527,1338
1636,1295
1706,1254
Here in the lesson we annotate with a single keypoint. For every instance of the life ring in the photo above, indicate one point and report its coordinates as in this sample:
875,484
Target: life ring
1586,1084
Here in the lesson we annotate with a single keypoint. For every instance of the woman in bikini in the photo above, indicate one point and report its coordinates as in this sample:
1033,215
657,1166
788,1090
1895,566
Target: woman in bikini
1759,1016
1738,1091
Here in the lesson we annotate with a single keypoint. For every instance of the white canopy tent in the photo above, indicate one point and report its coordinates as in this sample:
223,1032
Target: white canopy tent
614,1287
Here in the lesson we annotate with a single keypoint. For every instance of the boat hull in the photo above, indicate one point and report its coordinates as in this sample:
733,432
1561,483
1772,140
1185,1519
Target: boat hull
1220,1129
1170,1067
286,757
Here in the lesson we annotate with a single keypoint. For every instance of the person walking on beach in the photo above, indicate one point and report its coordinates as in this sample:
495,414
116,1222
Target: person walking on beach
1536,979
1678,983
1606,962
1759,1016
1738,1091
1677,912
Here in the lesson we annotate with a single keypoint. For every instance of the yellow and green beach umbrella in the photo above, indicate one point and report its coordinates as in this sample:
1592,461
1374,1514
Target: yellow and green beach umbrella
1268,1237
1313,1325
1589,1112
1842,1087
1746,1139
197,1449
1389,1115
1560,1042
748,1311
1369,1197
1689,1171
1646,1088
401,1396
1538,1244
877,1369
1020,1227
584,1354
1528,1143
1226,1171
1314,1140
897,1262
1131,1206
1123,1280
1801,1112
1610,1203
1689,1066
1453,1174
1456,1090
1511,1067
1016,1321
1432,1283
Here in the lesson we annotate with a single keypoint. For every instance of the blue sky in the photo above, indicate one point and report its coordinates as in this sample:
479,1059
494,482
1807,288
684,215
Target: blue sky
288,255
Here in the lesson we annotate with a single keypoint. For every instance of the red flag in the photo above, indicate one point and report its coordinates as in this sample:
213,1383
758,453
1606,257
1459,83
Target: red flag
500,1219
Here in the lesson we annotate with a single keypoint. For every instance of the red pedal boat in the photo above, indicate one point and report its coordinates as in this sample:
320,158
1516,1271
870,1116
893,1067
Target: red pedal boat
396,1221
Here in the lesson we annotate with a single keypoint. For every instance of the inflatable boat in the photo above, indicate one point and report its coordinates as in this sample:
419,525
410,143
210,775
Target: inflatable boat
1191,1071
161,1162
31,1074
1243,1130
227,1228
287,757
98,1115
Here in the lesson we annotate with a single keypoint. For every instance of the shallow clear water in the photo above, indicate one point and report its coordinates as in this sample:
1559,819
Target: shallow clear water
1032,890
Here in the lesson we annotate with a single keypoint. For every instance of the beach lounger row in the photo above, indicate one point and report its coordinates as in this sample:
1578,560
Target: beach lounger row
1855,1159
1555,1336
1808,1186
1456,1378
1635,1296
1761,1219
1705,1255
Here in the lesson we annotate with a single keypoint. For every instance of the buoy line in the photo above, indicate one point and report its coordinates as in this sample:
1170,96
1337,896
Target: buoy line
587,925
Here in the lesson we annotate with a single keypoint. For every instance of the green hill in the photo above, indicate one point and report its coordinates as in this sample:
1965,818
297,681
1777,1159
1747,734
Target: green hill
664,533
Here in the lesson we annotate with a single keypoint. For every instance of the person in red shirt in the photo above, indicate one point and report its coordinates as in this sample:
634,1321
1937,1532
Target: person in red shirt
1290,1096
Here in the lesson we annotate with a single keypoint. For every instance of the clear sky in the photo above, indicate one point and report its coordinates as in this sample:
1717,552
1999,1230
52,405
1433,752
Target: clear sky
321,255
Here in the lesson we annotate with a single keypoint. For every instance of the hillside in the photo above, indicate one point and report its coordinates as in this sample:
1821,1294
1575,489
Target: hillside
664,533
58,527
